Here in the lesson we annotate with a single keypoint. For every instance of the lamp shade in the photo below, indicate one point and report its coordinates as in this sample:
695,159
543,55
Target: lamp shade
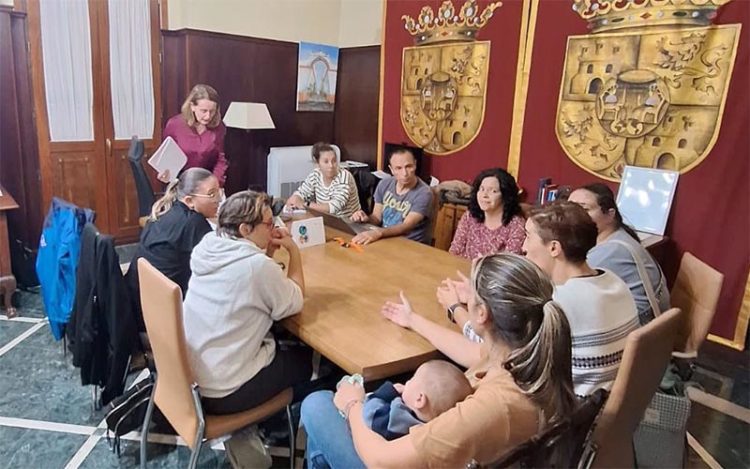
248,116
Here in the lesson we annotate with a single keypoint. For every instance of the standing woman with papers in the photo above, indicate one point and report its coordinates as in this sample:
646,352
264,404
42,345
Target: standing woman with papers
199,133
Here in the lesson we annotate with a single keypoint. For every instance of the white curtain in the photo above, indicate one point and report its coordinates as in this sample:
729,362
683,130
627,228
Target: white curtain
130,68
66,55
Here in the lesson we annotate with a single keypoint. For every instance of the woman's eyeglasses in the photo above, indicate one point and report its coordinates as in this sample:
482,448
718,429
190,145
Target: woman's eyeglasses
211,195
268,223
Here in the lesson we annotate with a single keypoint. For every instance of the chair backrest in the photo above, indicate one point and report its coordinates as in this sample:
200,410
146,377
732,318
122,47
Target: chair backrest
142,185
646,355
161,300
366,184
562,444
696,292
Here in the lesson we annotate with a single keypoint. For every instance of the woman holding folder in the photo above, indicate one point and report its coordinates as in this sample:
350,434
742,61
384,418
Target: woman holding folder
199,133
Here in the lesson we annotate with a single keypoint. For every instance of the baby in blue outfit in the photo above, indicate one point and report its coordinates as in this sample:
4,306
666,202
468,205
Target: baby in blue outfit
394,408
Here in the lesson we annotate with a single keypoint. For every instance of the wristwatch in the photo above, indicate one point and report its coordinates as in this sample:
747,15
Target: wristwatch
452,311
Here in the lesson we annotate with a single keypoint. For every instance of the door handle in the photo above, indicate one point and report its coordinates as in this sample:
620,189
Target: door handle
108,142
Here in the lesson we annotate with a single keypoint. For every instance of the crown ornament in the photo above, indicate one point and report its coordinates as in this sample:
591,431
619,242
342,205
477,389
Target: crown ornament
607,15
449,24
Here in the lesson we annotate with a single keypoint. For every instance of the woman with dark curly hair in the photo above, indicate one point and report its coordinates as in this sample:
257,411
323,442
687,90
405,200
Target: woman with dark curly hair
493,222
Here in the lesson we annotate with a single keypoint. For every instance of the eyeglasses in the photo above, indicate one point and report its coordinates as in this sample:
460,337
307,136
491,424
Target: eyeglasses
268,223
214,195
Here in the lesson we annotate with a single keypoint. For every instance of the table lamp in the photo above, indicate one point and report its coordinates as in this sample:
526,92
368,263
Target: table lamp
248,116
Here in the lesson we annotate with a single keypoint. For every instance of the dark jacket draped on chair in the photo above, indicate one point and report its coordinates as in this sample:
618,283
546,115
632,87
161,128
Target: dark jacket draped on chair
102,330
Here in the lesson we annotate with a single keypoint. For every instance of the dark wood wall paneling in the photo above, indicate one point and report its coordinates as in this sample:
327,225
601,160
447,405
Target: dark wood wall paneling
244,69
355,128
240,68
261,70
19,163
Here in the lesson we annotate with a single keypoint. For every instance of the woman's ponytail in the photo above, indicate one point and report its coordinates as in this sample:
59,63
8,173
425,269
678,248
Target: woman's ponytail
542,367
163,205
518,295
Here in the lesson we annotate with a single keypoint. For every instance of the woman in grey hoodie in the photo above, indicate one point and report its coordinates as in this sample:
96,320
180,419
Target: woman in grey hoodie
235,293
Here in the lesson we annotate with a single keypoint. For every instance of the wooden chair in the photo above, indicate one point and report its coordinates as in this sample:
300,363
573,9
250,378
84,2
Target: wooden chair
560,445
176,394
696,292
647,352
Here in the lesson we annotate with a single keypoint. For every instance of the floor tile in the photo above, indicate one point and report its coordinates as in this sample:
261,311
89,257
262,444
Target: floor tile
159,456
22,448
42,339
41,384
9,330
694,461
724,372
725,438
30,304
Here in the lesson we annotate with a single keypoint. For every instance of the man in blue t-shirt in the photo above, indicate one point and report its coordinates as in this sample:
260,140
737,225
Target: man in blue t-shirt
403,203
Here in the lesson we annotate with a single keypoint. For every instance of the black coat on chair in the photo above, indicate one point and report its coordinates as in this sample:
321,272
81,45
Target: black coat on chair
102,329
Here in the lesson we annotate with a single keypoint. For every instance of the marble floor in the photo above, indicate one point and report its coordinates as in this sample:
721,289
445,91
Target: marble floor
47,419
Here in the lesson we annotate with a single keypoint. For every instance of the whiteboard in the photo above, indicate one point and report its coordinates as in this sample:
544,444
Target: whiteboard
645,198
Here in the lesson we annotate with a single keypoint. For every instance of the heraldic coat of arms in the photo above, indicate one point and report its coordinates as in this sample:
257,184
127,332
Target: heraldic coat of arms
444,77
648,86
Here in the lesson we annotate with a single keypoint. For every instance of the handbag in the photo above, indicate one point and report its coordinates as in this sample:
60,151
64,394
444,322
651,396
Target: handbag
126,413
660,439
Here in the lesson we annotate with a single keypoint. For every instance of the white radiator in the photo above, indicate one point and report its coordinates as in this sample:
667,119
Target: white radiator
288,167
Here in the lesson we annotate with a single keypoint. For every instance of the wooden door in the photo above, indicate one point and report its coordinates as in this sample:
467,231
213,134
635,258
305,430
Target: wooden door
121,192
93,174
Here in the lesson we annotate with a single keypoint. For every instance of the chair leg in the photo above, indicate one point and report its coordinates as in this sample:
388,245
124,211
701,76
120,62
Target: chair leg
201,430
196,452
146,423
292,438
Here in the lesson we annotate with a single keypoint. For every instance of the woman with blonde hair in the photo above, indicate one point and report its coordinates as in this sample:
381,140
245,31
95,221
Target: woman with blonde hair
520,375
236,292
199,133
177,223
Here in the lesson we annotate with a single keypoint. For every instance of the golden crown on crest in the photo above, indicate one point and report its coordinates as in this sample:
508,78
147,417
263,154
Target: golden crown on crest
619,14
449,24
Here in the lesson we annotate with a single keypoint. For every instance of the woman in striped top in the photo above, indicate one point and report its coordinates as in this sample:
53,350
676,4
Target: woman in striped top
328,188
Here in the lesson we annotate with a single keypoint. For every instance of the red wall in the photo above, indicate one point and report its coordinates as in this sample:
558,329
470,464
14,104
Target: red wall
490,148
711,212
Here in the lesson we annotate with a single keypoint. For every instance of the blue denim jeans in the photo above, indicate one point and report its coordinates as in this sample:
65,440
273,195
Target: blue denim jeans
329,440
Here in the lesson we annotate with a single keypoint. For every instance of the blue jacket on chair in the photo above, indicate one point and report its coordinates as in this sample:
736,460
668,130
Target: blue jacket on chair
56,262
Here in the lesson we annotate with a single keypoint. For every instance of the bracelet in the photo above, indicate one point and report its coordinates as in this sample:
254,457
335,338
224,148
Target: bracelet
452,311
348,408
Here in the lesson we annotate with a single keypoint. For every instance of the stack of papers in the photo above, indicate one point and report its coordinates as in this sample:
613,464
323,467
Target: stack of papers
168,157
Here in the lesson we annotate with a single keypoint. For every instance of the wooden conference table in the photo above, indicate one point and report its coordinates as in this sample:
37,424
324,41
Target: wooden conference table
345,290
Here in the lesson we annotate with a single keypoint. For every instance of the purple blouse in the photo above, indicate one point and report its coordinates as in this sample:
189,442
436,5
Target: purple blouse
204,150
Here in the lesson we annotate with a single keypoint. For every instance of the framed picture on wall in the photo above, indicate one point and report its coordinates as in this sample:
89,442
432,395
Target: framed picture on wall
317,67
